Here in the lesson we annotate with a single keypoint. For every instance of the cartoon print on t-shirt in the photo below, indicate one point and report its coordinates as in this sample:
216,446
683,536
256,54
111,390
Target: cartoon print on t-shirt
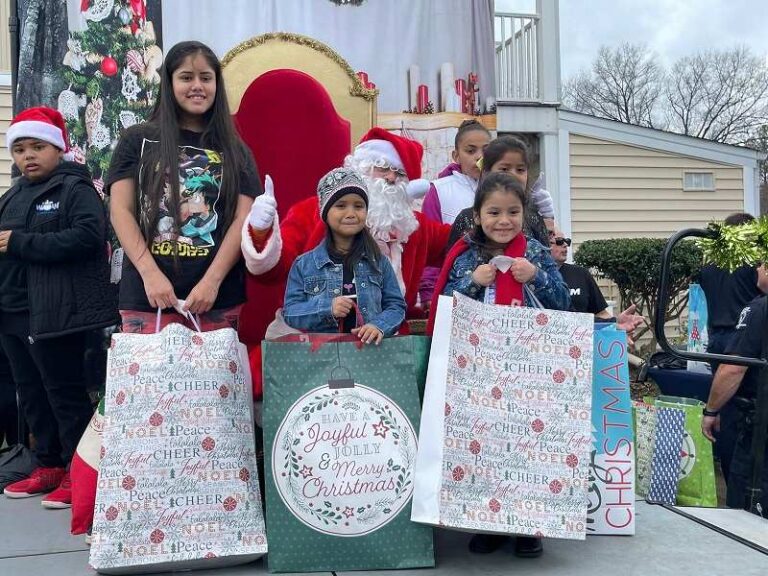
200,173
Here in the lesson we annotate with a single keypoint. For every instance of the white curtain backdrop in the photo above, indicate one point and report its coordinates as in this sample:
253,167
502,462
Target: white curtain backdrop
381,37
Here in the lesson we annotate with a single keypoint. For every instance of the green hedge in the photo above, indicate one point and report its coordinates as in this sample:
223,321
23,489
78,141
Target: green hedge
634,265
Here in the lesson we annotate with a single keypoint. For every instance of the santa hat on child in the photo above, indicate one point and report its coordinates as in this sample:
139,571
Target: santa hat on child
42,123
401,153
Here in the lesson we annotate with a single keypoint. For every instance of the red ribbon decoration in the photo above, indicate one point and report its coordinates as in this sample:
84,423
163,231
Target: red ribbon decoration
84,4
139,9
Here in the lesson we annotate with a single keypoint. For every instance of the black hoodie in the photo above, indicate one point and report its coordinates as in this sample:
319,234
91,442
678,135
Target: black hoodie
56,267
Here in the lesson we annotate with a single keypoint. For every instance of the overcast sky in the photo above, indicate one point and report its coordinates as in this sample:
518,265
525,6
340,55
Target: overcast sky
671,28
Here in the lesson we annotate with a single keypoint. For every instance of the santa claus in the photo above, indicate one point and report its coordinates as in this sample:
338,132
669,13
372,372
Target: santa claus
391,168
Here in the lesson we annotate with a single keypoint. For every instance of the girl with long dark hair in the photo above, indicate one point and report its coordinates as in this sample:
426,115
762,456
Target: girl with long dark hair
181,186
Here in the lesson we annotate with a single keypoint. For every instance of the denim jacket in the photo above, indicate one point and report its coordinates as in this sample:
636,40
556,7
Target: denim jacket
315,280
548,285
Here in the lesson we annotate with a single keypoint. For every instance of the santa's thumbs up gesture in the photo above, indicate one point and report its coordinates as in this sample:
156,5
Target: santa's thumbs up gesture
264,208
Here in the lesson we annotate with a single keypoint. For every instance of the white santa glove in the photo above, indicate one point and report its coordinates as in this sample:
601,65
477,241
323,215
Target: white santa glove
417,188
264,208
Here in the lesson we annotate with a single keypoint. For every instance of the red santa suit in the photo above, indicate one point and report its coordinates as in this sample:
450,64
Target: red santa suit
302,230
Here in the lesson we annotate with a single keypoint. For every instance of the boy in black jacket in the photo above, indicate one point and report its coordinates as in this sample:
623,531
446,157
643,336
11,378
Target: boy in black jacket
54,287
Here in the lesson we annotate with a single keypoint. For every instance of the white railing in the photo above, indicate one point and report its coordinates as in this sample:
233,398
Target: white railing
516,37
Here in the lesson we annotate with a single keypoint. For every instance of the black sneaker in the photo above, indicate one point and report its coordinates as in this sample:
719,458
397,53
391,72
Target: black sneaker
528,547
486,543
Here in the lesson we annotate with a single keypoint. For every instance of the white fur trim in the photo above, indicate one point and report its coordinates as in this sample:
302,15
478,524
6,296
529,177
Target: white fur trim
260,262
375,150
35,129
417,188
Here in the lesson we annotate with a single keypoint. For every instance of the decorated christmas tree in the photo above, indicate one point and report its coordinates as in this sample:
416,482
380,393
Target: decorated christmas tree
111,68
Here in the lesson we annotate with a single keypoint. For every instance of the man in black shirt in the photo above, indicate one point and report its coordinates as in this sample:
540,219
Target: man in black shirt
585,294
740,384
727,294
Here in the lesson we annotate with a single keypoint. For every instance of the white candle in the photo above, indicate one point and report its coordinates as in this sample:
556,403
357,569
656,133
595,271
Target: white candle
446,85
414,79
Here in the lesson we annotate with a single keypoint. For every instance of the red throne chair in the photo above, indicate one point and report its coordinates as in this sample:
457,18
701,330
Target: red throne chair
299,107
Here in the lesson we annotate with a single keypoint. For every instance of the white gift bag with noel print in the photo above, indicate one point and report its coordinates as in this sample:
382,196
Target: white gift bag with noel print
505,431
178,484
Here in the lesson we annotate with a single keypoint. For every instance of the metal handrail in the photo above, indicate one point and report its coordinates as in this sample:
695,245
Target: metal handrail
663,300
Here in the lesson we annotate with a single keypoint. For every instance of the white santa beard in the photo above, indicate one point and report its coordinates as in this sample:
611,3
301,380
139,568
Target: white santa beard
389,210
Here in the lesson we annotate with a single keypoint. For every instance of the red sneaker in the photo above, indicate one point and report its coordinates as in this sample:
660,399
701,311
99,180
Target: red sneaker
61,497
41,480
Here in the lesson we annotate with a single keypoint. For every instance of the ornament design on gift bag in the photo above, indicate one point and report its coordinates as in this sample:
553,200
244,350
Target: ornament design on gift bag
687,456
343,460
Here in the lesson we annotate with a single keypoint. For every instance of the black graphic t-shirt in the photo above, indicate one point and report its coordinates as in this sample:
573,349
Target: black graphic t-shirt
201,207
748,342
585,294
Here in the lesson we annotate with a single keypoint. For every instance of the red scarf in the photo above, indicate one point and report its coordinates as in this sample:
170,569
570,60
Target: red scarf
508,290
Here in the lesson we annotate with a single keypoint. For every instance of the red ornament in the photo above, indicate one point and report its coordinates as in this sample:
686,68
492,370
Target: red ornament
156,419
542,319
458,474
120,398
108,66
558,376
245,475
474,339
574,352
111,513
233,366
208,443
474,447
157,536
461,361
555,486
129,483
229,504
447,409
537,426
133,369
197,340
494,505
496,393
84,4
223,391
571,460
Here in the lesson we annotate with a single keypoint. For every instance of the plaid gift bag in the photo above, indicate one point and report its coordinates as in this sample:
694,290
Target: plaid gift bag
665,466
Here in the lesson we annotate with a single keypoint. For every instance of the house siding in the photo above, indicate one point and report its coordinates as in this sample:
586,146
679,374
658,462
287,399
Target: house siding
625,191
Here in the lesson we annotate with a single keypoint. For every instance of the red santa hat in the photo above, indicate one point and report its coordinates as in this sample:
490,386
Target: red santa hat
401,153
42,123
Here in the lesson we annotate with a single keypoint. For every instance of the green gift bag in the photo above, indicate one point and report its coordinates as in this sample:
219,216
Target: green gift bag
341,429
697,485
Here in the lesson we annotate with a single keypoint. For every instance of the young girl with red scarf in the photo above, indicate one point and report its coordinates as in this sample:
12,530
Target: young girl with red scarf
496,263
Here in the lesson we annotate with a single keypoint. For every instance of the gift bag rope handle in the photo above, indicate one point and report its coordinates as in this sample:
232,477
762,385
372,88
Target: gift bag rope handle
186,314
338,364
534,300
358,318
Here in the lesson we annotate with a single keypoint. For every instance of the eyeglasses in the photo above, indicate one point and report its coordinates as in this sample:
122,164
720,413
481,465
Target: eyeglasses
384,169
561,241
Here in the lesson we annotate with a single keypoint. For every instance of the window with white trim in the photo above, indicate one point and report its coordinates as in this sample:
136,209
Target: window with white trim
697,181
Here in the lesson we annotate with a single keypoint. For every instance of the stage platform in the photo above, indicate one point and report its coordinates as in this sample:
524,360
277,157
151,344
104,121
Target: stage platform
36,542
